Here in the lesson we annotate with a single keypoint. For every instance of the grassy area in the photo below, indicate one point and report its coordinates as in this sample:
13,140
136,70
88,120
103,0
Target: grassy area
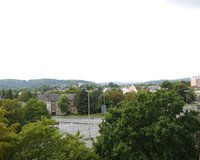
96,115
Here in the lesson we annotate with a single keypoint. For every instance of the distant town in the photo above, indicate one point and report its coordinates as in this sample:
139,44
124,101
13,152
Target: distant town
76,91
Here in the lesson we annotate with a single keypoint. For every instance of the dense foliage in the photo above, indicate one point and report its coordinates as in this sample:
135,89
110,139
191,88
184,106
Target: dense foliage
7,134
113,97
36,137
9,94
41,140
182,88
63,104
82,102
34,110
26,95
152,126
14,111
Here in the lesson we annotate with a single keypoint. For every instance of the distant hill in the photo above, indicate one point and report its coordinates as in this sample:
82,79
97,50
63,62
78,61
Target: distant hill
36,83
160,81
147,82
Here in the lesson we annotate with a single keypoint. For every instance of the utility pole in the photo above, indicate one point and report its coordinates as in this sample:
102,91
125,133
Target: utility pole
103,107
104,100
89,113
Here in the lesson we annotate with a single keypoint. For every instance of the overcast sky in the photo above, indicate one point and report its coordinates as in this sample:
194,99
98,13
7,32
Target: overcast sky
104,40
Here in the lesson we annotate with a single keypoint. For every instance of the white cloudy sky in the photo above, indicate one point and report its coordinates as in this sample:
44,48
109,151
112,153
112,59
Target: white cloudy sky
99,40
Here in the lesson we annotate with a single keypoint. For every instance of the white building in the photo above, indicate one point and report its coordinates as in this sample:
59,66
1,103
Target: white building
129,89
195,81
154,88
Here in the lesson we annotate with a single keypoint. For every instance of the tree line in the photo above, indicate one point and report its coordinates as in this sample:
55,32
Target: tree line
112,97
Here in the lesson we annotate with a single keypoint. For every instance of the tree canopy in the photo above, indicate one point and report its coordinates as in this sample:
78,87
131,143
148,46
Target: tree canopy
152,126
42,140
63,104
82,101
34,109
14,110
182,88
7,134
113,97
25,95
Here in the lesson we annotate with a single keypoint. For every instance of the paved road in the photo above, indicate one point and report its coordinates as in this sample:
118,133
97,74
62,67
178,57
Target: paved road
72,125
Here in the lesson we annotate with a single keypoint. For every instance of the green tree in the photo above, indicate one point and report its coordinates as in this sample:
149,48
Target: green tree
9,94
75,149
129,96
14,111
152,126
34,109
82,102
182,88
167,85
95,106
7,135
42,140
3,93
113,97
63,104
37,140
113,85
44,88
25,95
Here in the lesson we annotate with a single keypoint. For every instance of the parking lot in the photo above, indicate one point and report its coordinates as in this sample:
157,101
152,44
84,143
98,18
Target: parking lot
72,125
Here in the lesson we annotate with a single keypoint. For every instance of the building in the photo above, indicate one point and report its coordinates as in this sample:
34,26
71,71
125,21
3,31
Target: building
129,89
72,107
51,101
132,88
154,88
195,81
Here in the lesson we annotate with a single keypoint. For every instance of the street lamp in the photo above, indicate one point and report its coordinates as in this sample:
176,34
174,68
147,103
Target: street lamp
103,107
186,96
104,99
89,112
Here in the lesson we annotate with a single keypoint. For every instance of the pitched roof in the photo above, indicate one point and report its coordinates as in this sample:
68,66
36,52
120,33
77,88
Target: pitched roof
48,97
154,88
